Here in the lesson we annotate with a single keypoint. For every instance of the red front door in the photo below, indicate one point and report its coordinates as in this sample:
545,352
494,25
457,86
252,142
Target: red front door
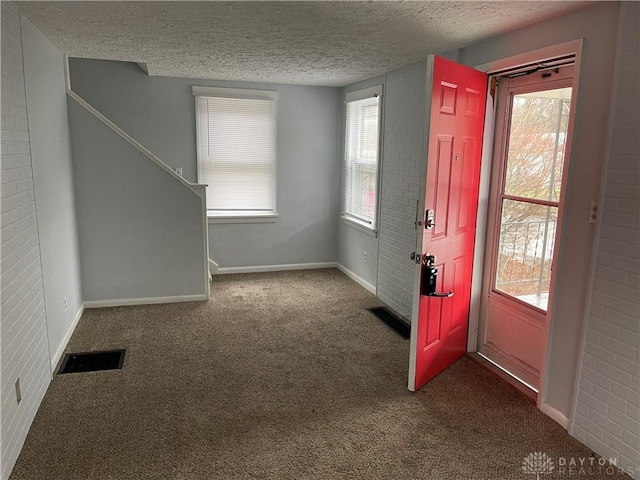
439,327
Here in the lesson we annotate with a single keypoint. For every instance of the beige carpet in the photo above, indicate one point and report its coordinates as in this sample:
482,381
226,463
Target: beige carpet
279,376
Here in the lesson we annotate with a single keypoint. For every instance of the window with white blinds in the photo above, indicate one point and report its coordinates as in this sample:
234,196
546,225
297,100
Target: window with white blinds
236,150
361,156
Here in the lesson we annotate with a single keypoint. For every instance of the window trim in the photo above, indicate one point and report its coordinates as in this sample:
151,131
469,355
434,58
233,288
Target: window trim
252,218
224,92
364,227
237,216
351,220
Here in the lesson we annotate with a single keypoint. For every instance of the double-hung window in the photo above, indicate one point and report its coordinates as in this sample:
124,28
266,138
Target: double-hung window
361,157
237,152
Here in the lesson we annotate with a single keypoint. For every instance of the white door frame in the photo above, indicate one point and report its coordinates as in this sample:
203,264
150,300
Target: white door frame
533,315
568,48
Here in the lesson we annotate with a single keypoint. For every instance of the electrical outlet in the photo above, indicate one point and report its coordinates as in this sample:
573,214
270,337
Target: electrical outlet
178,170
64,303
593,212
18,391
364,257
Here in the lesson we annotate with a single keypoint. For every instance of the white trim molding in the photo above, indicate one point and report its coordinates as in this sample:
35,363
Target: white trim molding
270,218
375,91
556,415
213,267
201,190
129,139
67,75
540,55
65,340
357,278
233,93
125,302
276,268
359,225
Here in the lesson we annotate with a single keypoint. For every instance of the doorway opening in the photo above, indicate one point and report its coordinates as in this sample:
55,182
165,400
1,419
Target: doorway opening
528,175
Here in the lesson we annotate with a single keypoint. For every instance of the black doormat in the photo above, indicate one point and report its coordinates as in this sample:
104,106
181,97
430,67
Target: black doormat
401,327
92,361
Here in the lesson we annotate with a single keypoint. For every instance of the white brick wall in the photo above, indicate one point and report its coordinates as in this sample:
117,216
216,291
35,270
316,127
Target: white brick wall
607,414
404,124
23,345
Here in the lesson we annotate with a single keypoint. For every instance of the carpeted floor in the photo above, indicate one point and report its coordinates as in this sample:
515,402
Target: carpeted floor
279,376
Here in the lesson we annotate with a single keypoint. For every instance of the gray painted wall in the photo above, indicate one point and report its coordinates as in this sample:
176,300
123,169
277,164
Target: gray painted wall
53,178
159,113
597,25
140,228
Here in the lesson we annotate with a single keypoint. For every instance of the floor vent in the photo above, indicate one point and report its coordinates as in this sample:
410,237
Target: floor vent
396,323
92,361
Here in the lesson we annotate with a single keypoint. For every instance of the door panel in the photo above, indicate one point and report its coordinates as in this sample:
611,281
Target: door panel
448,98
441,196
456,119
459,284
515,340
473,103
466,171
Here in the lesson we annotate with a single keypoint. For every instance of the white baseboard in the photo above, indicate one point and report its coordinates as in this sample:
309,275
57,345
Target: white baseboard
356,278
66,338
276,268
556,415
143,301
213,267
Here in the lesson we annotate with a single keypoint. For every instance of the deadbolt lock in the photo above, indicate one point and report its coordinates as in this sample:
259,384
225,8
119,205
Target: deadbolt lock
430,219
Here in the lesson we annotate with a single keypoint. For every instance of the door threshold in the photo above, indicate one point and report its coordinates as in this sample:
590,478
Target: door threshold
526,390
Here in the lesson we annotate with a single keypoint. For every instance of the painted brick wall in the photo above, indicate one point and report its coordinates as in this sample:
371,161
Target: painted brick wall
607,414
404,122
23,346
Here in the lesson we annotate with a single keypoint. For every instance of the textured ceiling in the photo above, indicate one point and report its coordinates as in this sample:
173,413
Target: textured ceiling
315,43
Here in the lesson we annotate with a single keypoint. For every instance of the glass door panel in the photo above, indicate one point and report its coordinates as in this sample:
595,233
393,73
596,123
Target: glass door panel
525,251
531,193
537,137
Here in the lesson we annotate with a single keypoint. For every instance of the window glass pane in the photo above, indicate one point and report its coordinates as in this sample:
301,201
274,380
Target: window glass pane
525,251
537,139
237,154
368,139
364,182
361,159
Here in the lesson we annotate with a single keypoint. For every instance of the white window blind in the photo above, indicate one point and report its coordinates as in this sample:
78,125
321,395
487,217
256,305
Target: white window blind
361,157
236,153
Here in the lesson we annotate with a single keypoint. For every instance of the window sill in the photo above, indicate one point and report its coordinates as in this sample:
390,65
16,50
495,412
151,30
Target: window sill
361,226
269,218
